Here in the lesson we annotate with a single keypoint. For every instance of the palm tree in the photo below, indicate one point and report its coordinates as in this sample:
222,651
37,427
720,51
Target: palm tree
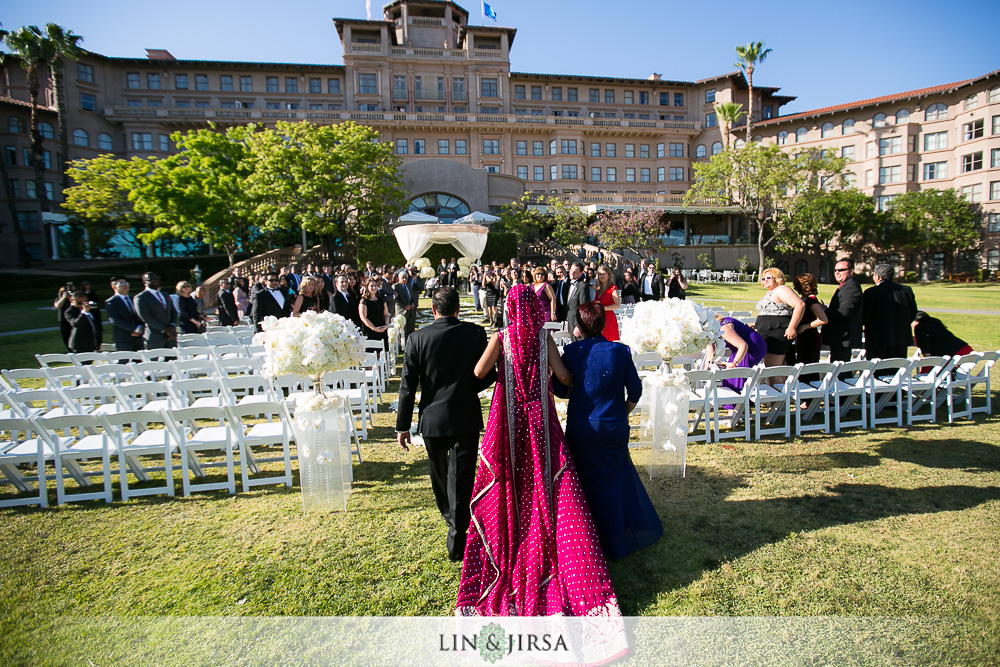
728,113
34,52
747,59
64,45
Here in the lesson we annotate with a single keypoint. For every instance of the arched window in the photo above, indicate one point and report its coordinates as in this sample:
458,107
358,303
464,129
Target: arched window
801,266
14,125
800,134
46,131
878,120
826,130
700,150
445,208
104,142
81,138
972,101
739,143
902,116
716,148
937,111
847,127
782,138
994,95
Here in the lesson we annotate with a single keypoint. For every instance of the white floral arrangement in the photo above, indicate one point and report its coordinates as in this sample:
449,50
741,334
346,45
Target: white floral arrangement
672,378
312,344
317,403
463,266
670,327
426,270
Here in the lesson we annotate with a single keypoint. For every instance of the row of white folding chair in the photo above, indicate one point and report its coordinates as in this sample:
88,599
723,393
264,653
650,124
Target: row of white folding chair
98,374
104,436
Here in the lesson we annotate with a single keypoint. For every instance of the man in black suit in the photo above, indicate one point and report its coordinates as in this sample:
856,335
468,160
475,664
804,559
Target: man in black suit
404,302
887,311
344,303
126,327
85,324
440,358
561,289
228,314
651,284
272,300
579,293
843,331
157,312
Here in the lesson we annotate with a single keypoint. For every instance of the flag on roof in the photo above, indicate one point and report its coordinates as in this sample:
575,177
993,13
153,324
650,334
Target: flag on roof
488,11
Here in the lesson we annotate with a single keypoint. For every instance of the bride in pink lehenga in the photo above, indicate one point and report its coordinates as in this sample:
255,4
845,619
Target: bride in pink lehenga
532,548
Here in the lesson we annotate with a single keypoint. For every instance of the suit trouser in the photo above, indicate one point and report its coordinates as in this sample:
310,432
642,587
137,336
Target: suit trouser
133,345
839,352
453,475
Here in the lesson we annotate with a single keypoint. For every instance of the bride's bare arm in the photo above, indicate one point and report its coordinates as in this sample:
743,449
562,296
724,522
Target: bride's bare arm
555,363
489,358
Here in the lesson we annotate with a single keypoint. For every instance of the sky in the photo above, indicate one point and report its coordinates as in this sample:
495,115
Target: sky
823,53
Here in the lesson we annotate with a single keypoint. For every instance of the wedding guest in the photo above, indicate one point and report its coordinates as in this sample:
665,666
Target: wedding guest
651,284
228,314
778,315
630,290
934,339
546,295
843,332
188,317
677,285
157,312
373,313
887,309
307,300
808,340
271,301
745,345
85,324
63,302
343,302
607,294
126,327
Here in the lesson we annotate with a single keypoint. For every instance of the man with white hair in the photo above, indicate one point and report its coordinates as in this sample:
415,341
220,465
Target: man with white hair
887,311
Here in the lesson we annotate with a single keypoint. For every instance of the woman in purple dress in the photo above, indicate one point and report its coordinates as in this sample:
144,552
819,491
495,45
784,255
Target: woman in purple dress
546,295
532,549
746,348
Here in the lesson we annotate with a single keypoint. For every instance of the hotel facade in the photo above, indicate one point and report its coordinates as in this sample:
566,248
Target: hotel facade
473,135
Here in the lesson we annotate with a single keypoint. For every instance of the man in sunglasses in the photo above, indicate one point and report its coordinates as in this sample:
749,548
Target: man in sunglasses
843,332
273,299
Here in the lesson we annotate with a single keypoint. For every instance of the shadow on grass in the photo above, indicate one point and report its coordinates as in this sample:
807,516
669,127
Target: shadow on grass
968,455
703,530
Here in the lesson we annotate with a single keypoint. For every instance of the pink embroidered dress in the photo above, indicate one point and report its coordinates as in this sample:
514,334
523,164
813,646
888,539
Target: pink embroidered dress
532,548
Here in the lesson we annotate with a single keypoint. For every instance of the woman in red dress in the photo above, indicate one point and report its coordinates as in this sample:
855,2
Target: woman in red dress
607,294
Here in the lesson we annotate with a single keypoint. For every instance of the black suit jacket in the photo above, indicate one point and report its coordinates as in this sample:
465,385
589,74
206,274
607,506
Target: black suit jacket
346,307
656,286
888,309
844,315
85,333
228,314
575,298
561,289
264,304
440,359
124,320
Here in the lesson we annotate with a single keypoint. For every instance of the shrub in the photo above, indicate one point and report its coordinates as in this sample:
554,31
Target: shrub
910,277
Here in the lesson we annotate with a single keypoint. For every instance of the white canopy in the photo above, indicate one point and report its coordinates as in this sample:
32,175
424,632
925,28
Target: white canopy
414,240
417,216
478,218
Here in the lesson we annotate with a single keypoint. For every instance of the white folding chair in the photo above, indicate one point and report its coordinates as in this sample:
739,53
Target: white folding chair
700,402
245,389
198,393
224,340
981,374
815,395
92,441
885,389
222,350
564,338
372,370
87,358
274,430
55,360
849,388
960,386
773,401
124,357
12,409
236,366
22,445
68,376
552,326
189,369
146,436
922,379
646,362
153,371
161,354
739,399
194,440
378,349
111,374
740,314
147,396
293,386
26,378
95,400
192,340
53,403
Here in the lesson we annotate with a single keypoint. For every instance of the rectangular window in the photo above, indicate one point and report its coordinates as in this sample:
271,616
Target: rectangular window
993,224
890,145
595,174
315,107
181,81
30,191
142,141
556,94
678,99
164,143
994,190
847,152
10,155
643,97
203,104
491,146
272,84
935,141
664,99
644,175
630,174
333,86
132,81
246,84
553,172
488,87
609,97
869,178
538,174
569,172
552,147
995,158
676,150
629,97
182,104
88,102
402,146
567,146
522,172
444,147
609,150
973,193
571,95
519,92
85,72
644,151
154,103
201,82
629,150
291,84
710,96
595,150
460,148
972,162
660,148
536,92
399,91
315,84
47,159
935,170
15,186
661,174
890,175
972,130
612,174
885,201
521,147
367,84
677,173
153,81
419,147
595,95
996,125
710,119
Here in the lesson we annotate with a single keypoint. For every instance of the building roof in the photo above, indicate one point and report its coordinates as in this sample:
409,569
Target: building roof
603,79
460,9
177,63
10,101
909,94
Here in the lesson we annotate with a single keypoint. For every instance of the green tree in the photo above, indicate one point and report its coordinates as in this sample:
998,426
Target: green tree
728,114
101,197
930,221
64,45
747,59
337,181
637,230
825,223
34,52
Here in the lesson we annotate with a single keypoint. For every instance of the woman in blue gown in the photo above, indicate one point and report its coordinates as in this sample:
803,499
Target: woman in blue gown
597,433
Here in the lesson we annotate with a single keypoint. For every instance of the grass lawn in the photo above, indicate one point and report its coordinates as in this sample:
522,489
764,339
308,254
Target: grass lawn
27,315
898,523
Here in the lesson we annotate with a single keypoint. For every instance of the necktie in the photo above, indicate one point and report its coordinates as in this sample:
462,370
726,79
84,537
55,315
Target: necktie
159,297
128,304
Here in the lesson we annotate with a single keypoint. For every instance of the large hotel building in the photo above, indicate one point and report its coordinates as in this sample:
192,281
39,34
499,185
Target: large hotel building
473,135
